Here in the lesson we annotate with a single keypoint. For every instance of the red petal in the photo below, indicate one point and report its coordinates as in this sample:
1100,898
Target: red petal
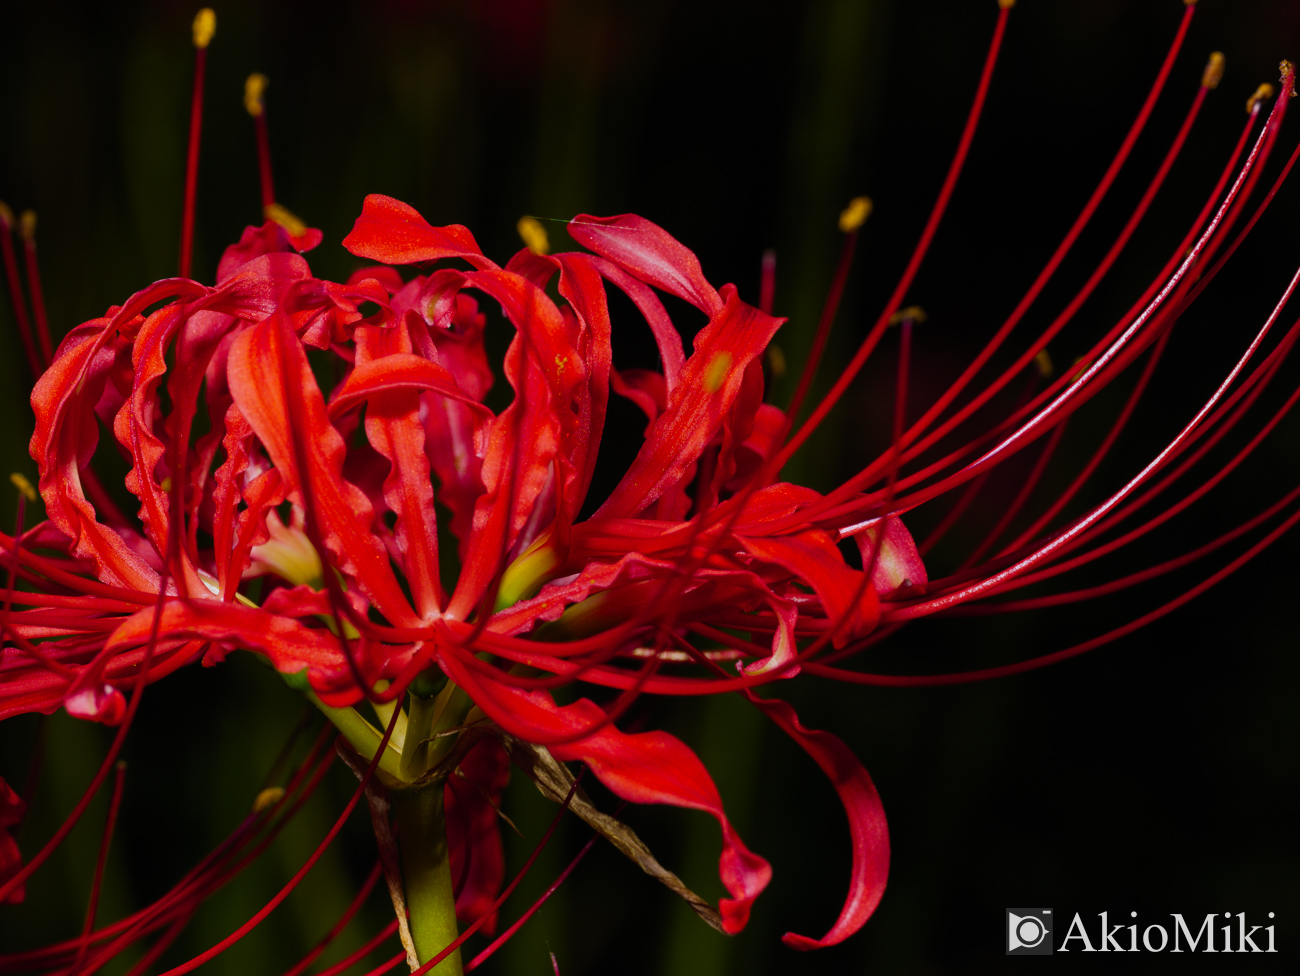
710,383
650,253
394,430
867,827
898,563
392,232
645,767
816,560
263,360
474,829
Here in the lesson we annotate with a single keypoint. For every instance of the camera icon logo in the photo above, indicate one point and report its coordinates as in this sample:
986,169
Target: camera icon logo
1029,931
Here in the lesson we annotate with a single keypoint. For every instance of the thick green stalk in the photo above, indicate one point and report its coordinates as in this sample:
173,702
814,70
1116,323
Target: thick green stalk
426,876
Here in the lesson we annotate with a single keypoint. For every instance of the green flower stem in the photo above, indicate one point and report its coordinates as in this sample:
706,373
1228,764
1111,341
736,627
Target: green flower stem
363,736
426,875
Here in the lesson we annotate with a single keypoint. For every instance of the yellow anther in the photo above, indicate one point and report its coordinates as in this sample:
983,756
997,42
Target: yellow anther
855,214
913,313
6,215
533,234
22,484
254,86
283,216
1288,77
27,225
1008,4
776,361
1213,73
715,374
1262,94
268,798
205,25
1044,363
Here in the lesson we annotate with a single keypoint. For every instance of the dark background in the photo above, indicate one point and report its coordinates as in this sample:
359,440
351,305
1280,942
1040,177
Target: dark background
1156,774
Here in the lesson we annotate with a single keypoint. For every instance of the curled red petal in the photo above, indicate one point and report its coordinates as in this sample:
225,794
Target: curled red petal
650,253
867,827
393,232
643,767
710,383
897,563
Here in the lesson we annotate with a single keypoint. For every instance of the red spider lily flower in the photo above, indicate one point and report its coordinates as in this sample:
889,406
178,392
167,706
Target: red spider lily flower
298,519
362,534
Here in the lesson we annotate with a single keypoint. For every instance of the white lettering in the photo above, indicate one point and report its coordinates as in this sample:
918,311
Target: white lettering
1108,942
1076,931
1146,938
1207,930
1246,936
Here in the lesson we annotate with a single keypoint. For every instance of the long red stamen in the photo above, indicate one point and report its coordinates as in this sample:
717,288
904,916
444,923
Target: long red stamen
27,228
109,823
284,892
872,471
851,221
16,291
917,681
205,25
914,263
255,103
337,928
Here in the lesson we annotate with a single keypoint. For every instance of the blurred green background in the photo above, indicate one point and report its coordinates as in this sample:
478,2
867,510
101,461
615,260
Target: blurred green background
1157,774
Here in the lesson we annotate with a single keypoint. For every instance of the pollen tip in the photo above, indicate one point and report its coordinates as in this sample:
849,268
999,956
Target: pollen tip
855,214
286,218
1006,4
1213,73
27,225
1262,94
254,85
533,234
6,215
913,313
20,482
1043,361
268,798
1288,77
205,25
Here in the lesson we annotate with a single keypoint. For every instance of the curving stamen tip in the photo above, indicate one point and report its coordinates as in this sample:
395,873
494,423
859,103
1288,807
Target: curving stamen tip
20,482
913,313
533,234
855,214
27,225
205,25
1043,362
268,798
286,218
6,215
254,86
1213,73
1262,94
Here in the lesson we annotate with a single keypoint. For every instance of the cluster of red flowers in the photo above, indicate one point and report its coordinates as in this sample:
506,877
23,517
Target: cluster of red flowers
297,520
